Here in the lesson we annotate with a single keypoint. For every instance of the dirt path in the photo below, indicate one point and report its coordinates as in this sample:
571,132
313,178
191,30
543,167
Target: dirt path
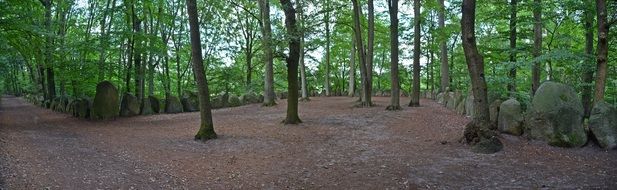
337,147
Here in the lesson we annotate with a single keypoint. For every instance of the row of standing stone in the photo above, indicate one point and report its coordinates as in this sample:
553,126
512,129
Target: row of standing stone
555,115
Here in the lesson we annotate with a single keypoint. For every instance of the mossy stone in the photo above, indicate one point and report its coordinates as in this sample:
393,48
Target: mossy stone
106,102
234,101
129,106
173,105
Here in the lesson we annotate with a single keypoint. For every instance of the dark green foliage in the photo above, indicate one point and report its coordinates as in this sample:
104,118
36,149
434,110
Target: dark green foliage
106,104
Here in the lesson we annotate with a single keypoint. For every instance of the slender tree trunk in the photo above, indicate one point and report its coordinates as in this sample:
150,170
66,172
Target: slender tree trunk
49,69
366,95
415,92
588,67
303,82
444,69
292,63
370,50
206,129
266,31
352,69
394,98
602,56
512,71
537,45
327,22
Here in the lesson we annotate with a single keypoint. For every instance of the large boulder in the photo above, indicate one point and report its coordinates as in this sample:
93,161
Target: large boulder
556,116
63,101
129,106
146,107
493,110
106,102
454,99
250,98
190,102
441,98
282,95
155,104
603,124
172,104
510,119
234,101
460,108
469,106
81,108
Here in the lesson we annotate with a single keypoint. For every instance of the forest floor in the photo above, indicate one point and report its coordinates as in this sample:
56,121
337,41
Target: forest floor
337,147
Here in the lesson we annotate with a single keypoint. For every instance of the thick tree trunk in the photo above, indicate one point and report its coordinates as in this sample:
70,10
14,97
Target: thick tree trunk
512,71
415,92
366,94
292,63
537,45
206,129
394,98
444,69
49,69
266,31
370,50
588,67
352,69
602,56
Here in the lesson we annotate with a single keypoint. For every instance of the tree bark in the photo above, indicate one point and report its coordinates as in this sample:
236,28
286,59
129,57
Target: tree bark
49,69
292,62
327,22
266,31
394,98
370,50
512,71
475,62
444,69
366,95
588,67
206,129
537,46
415,92
303,82
602,56
352,69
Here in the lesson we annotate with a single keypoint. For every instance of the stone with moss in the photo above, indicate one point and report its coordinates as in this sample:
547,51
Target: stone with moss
460,108
82,108
556,116
173,105
146,107
603,124
510,119
190,102
154,104
469,106
106,103
129,105
234,101
250,98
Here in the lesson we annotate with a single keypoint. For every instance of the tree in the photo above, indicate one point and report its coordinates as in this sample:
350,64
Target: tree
394,99
512,70
537,45
479,128
51,85
303,82
351,90
327,23
444,69
206,130
415,92
602,57
292,63
588,68
366,94
266,40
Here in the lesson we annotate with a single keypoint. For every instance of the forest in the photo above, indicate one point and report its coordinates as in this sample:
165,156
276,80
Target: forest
524,80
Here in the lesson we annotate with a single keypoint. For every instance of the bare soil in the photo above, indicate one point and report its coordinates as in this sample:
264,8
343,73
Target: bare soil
337,147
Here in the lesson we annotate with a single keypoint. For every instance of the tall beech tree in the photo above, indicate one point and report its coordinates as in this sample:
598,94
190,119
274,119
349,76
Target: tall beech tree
602,57
394,99
292,62
364,72
513,50
587,77
266,40
444,69
206,129
415,91
537,45
479,129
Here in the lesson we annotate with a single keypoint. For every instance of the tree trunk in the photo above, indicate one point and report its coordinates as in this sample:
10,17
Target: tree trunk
475,62
512,71
602,60
49,69
266,31
327,21
537,46
588,68
366,95
352,69
303,82
444,70
415,92
206,129
370,50
395,94
292,63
